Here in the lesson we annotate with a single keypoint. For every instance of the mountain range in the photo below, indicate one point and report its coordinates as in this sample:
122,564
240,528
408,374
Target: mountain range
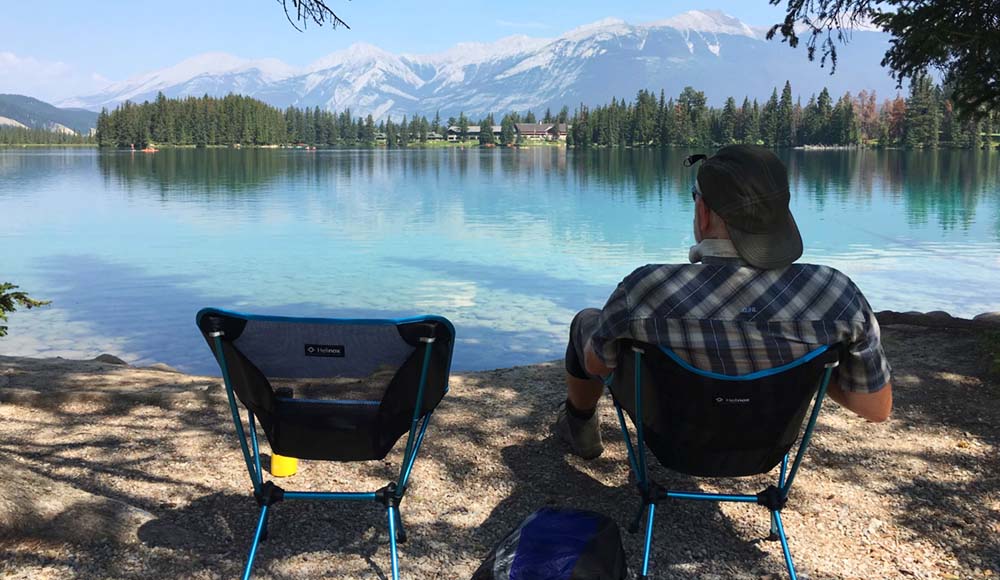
705,49
30,113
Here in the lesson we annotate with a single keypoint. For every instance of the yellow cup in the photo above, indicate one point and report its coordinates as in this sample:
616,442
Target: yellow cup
282,466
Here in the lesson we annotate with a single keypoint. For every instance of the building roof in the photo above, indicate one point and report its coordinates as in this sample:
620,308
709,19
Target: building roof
540,128
533,128
473,129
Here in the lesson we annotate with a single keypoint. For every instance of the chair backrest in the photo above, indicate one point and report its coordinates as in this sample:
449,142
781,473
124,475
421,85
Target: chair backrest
707,424
349,361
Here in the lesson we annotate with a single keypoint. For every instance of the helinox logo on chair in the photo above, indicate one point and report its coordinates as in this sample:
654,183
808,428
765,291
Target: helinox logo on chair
732,400
334,350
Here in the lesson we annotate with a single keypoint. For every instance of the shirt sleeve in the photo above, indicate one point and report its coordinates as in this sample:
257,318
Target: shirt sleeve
864,368
612,325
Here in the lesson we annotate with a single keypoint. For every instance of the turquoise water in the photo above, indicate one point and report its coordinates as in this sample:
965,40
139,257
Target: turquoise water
507,244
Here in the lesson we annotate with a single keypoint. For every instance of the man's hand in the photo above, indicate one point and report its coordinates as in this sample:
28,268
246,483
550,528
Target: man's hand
872,406
593,363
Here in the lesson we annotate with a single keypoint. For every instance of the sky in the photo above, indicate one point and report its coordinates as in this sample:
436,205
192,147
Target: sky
64,48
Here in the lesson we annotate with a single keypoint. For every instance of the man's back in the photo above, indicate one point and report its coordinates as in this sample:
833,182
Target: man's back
724,316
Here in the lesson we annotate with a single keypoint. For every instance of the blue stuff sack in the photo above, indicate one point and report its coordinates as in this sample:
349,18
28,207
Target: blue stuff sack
558,544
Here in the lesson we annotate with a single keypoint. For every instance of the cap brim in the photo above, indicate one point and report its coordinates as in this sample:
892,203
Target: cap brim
776,249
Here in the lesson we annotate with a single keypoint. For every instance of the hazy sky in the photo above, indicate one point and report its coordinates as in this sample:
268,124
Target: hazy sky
62,48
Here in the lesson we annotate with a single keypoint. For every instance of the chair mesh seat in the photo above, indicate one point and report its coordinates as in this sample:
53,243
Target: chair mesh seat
710,425
331,390
353,381
706,424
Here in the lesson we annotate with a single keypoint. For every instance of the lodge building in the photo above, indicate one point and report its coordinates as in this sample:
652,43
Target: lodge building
523,131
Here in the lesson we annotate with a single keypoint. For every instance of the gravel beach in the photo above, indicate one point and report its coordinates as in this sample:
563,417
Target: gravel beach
112,471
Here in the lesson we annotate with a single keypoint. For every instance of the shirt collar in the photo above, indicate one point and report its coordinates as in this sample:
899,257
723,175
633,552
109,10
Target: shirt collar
712,251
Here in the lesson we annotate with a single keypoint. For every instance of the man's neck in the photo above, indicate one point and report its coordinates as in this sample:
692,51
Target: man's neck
714,251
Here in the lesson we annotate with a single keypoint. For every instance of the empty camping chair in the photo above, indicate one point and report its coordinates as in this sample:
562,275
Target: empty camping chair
707,424
359,386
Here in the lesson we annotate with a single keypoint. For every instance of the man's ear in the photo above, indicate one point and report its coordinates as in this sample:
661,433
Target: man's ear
703,214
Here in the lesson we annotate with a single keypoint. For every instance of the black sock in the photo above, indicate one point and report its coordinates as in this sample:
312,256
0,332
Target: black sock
578,413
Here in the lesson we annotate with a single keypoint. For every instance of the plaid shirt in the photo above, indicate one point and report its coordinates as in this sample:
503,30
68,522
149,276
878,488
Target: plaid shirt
726,317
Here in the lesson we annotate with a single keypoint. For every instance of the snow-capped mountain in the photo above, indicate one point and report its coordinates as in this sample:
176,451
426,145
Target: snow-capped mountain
705,49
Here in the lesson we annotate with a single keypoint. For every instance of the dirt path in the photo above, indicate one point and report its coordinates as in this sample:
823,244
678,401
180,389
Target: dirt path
115,472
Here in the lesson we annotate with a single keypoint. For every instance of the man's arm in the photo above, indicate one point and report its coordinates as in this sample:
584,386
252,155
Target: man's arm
872,406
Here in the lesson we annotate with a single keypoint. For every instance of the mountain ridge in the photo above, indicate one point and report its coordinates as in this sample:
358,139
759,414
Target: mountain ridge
706,49
31,113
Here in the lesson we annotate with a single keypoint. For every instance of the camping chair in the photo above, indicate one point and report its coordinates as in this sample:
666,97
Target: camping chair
384,378
707,424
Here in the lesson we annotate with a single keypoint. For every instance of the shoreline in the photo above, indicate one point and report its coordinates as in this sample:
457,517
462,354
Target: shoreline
986,321
121,472
476,145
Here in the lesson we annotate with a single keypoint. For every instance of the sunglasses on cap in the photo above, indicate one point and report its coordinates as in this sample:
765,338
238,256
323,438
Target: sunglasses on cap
688,162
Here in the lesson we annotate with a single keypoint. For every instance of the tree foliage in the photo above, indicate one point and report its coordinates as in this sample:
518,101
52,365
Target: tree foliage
22,136
235,119
486,131
301,12
960,38
11,299
925,119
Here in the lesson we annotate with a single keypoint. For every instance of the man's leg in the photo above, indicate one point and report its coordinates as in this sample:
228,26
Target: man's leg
577,422
583,394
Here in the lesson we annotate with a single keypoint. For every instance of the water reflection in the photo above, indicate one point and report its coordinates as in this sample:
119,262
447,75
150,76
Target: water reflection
506,243
943,186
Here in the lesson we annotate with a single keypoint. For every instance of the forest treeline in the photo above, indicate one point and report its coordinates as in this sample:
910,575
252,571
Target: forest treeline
926,118
22,136
923,119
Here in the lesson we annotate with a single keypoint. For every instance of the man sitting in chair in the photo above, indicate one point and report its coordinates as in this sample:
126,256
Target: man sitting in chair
741,306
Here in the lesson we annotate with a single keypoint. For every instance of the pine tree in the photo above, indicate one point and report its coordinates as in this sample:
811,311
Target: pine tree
104,135
922,116
753,124
769,122
507,130
367,131
824,112
404,133
563,115
391,138
486,131
463,126
727,122
785,120
581,128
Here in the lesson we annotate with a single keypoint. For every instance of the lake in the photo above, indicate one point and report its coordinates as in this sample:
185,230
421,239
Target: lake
508,244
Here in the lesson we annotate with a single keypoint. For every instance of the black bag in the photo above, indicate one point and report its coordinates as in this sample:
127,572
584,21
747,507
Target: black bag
558,544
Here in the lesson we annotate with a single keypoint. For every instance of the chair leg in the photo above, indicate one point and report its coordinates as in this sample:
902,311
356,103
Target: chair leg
261,525
649,541
391,511
784,546
400,530
772,536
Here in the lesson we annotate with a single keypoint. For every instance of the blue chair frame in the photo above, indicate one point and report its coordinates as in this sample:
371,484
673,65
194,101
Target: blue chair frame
389,496
651,492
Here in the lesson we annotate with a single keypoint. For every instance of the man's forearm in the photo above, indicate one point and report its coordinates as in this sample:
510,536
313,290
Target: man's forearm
872,406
